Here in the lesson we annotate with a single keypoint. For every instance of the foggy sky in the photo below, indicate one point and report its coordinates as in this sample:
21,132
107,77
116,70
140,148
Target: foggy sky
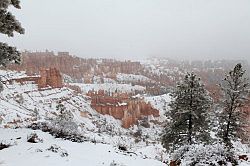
183,29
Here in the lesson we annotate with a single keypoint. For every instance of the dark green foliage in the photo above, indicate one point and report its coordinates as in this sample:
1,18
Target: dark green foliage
232,118
189,120
8,55
9,25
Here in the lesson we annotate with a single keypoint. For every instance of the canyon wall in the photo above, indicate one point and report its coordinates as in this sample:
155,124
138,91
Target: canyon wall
163,73
75,67
121,106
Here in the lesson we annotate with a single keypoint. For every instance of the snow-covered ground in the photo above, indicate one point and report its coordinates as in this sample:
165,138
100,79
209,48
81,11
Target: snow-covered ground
159,102
24,104
88,154
110,87
121,77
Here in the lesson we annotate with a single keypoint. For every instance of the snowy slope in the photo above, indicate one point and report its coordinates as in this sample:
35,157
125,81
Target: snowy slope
87,154
159,102
121,77
24,104
110,87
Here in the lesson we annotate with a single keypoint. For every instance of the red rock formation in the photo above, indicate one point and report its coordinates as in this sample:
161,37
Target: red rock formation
50,77
75,67
84,70
121,107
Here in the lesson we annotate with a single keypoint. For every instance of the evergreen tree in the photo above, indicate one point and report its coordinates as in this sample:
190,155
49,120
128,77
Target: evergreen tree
235,90
63,124
188,111
9,25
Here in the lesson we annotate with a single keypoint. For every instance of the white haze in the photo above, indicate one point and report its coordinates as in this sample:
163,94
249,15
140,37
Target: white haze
135,29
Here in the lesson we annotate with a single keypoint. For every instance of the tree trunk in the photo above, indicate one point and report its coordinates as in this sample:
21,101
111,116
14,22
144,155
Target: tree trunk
190,118
226,136
227,129
190,129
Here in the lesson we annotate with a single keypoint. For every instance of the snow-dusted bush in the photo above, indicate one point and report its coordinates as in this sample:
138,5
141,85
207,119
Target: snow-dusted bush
204,155
33,138
19,98
122,148
35,114
73,136
114,163
58,149
4,145
63,124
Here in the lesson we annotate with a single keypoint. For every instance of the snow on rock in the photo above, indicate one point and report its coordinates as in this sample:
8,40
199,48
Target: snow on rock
23,104
121,77
8,75
159,102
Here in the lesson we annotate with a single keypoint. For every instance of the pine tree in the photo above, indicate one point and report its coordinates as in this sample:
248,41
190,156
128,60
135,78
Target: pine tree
188,111
9,25
63,124
235,90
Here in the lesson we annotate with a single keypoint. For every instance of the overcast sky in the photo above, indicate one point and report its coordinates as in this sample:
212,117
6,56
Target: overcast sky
184,29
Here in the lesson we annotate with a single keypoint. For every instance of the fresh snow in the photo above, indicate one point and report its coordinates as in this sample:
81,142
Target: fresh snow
24,104
121,77
110,87
159,102
88,154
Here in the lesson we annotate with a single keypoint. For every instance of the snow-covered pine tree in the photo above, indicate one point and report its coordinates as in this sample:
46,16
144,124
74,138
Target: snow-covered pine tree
189,114
9,25
232,119
63,124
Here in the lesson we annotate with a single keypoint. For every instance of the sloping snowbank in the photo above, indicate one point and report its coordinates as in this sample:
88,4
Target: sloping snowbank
87,154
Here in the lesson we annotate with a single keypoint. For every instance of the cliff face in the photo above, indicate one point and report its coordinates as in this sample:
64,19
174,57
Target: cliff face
77,68
121,107
84,70
162,73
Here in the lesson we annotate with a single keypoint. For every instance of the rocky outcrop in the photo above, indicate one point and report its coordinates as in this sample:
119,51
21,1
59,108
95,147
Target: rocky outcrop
121,106
50,77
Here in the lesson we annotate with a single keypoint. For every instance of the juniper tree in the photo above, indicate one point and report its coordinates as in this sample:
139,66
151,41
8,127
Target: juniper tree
188,113
9,25
235,90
